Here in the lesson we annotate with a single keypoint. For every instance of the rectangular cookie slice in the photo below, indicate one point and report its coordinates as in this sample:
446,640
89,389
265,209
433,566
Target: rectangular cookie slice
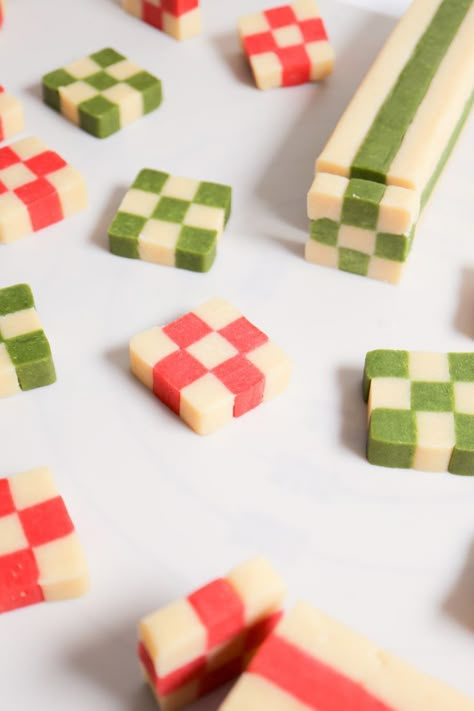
40,554
102,93
170,220
25,355
37,189
421,410
180,19
311,662
193,645
12,120
210,365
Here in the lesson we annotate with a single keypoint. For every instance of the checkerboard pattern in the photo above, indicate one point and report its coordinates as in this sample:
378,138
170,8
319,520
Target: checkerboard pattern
11,115
102,93
40,554
421,410
311,662
37,189
25,355
210,365
170,220
287,45
193,645
179,18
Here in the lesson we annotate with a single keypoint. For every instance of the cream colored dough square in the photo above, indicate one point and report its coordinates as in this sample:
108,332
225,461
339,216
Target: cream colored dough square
129,101
207,218
464,398
398,210
11,115
73,95
134,7
288,36
429,367
15,220
123,70
12,537
16,175
306,9
9,384
435,441
390,393
321,55
206,404
71,188
260,588
267,70
146,349
20,322
276,367
217,313
157,242
183,27
83,68
139,202
254,693
180,188
253,24
28,147
32,487
385,270
173,636
62,568
357,238
325,197
212,350
321,254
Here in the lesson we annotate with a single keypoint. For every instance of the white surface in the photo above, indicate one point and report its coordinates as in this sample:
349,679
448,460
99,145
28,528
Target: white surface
159,509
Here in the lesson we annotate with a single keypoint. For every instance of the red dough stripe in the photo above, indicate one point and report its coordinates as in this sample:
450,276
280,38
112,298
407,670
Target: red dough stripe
260,631
280,16
2,131
296,65
259,43
172,374
179,7
220,610
7,505
166,684
309,680
19,581
46,522
244,380
42,201
44,163
152,14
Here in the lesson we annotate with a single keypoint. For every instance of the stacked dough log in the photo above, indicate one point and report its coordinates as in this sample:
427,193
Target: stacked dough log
193,645
378,169
313,663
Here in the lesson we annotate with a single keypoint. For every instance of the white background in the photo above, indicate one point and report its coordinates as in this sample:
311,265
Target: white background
160,510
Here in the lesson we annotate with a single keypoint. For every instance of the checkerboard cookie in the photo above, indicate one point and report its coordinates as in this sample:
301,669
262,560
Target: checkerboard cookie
12,120
180,19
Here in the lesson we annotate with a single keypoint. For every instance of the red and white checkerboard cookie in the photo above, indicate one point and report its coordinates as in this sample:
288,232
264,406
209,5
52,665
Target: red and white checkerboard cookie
11,114
2,11
40,555
193,645
179,18
287,45
210,365
37,189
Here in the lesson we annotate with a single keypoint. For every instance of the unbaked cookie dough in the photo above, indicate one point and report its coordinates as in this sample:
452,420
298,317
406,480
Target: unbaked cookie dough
12,120
179,18
193,645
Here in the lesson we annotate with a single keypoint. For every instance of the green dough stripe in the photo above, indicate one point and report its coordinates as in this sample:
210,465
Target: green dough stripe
386,134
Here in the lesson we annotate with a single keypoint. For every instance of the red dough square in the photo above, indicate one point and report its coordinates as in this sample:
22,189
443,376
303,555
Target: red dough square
6,501
152,14
179,7
44,163
244,380
313,30
42,202
220,609
187,330
8,158
244,335
260,43
46,522
280,16
296,65
172,374
19,581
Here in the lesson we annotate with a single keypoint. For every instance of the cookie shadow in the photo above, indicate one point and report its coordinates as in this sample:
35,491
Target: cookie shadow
353,411
464,317
99,235
228,47
458,605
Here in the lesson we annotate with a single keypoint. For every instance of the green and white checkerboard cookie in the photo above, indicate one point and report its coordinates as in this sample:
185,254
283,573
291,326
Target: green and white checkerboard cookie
421,410
170,220
102,93
25,355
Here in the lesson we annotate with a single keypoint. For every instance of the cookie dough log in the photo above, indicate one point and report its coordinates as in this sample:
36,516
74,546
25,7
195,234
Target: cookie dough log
420,410
37,189
311,662
287,45
191,646
102,93
12,119
210,365
170,220
180,19
25,354
40,554
406,116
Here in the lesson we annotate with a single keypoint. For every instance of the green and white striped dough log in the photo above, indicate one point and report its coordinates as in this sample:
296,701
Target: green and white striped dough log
398,131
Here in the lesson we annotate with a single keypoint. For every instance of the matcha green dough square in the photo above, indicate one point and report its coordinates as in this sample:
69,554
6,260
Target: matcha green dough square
106,57
101,81
360,207
151,181
352,261
99,116
196,249
171,210
32,358
432,397
150,89
461,367
462,460
394,247
15,298
325,231
214,195
392,438
384,364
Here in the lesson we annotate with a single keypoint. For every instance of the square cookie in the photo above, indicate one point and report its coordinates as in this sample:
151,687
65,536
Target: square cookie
25,356
287,45
210,365
37,189
12,120
170,220
40,555
421,410
102,93
180,19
